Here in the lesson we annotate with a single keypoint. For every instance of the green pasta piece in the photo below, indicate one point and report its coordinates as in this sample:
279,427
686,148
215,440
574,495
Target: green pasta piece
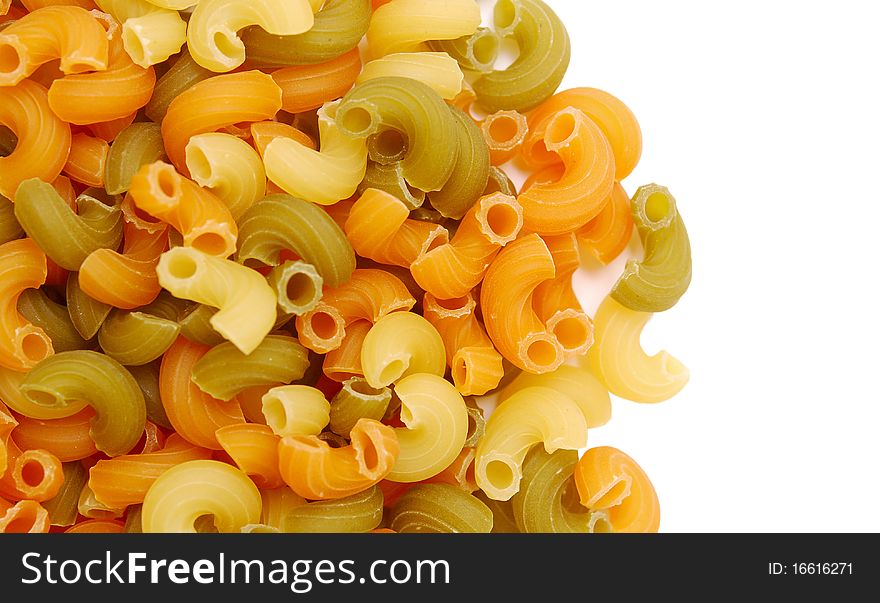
298,286
426,213
135,338
280,222
499,182
195,325
138,144
86,314
418,113
476,52
386,147
389,178
167,306
147,377
357,400
225,371
471,173
658,281
10,229
359,512
63,508
503,521
184,74
476,423
440,508
333,440
544,54
133,520
314,371
100,381
67,238
339,27
53,318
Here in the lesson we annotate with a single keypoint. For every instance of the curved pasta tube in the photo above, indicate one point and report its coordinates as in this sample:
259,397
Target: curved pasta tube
36,307
245,300
415,111
97,526
125,280
583,189
298,286
22,344
62,508
608,479
10,382
88,506
389,178
120,413
264,132
532,415
436,69
345,361
203,219
150,34
136,145
369,295
30,474
68,33
10,229
436,421
125,480
507,298
307,87
136,338
254,449
296,410
477,367
618,359
608,234
452,270
361,512
25,517
110,129
229,167
281,222
181,76
379,228
214,25
194,414
215,103
355,401
544,54
658,281
402,25
87,160
401,344
43,139
86,314
504,132
195,488
440,508
316,471
476,52
323,177
67,438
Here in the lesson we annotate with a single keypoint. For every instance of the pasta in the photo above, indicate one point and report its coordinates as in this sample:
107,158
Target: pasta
264,132
150,34
136,338
401,344
436,69
307,87
295,410
360,512
137,145
297,285
617,358
228,167
504,132
389,178
24,517
440,508
476,52
87,159
355,401
254,449
245,300
402,25
182,75
86,314
533,415
147,377
345,361
36,307
608,234
10,229
193,489
67,438
658,281
62,508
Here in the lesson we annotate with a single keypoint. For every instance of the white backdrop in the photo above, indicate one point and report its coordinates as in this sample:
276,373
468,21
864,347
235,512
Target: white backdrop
763,119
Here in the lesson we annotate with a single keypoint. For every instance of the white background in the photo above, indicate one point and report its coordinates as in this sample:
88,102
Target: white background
763,119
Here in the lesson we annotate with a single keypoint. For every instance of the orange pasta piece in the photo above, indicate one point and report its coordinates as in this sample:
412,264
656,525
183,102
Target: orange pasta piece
216,103
30,474
460,473
476,364
254,450
345,361
264,132
198,214
107,95
125,280
608,112
451,270
194,414
340,211
307,87
68,33
369,295
140,219
316,471
392,491
67,438
25,517
584,188
608,234
378,3
124,480
504,132
43,139
608,479
22,344
55,274
109,130
7,424
379,228
35,4
506,298
87,159
97,526
555,302
251,402
5,505
153,439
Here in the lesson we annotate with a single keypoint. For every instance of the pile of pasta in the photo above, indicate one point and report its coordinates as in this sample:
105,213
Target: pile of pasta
260,260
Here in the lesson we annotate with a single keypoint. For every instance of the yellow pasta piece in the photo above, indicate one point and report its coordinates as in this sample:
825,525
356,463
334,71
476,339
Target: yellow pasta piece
323,177
296,410
194,489
620,362
246,301
436,420
436,69
150,34
401,344
402,25
214,25
531,416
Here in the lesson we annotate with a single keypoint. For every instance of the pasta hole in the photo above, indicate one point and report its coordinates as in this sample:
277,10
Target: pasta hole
561,128
503,128
9,59
357,120
35,347
182,266
540,154
32,473
613,496
275,414
133,45
542,353
389,146
371,455
392,371
506,14
459,377
300,288
323,325
41,398
499,474
198,165
206,524
211,243
20,525
571,332
455,303
363,388
485,49
167,183
657,207
600,524
503,220
227,46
